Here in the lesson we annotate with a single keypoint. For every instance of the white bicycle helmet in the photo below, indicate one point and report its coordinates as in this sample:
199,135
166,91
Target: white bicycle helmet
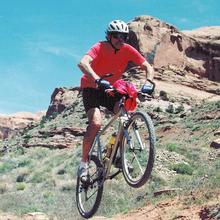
117,26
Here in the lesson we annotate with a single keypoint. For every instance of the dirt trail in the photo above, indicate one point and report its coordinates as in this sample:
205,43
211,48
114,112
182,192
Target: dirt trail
178,208
178,90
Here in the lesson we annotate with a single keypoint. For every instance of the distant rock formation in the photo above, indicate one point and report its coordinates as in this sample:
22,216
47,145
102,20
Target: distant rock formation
209,36
11,124
163,44
61,99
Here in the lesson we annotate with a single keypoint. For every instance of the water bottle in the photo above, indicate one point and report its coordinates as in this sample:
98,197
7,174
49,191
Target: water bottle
110,144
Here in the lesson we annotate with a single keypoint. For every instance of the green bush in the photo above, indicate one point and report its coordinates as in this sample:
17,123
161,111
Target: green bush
7,166
20,186
24,163
183,168
171,147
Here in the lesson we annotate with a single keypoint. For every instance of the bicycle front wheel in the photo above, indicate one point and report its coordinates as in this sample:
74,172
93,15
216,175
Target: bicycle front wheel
138,149
89,194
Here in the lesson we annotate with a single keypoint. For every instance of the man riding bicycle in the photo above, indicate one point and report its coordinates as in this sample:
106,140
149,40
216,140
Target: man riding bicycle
110,56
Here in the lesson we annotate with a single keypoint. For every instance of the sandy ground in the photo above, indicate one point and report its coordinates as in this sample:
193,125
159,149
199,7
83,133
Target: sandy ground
178,89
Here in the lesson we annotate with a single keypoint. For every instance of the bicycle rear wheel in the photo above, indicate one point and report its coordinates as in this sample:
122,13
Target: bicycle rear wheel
138,149
89,194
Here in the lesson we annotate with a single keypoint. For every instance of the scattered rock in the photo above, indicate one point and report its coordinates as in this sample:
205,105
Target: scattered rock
215,144
165,191
217,133
210,212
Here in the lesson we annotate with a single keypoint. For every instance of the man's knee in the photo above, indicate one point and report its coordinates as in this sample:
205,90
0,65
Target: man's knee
95,126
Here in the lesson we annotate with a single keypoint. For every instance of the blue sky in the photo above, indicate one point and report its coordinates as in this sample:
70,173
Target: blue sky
41,41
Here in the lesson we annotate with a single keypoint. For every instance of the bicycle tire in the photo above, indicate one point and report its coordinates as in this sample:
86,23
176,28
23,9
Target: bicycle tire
87,210
137,158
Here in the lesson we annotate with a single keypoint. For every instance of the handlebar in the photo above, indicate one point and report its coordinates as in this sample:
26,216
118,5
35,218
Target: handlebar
146,91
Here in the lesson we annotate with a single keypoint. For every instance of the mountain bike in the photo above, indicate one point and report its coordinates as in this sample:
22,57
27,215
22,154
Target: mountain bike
134,143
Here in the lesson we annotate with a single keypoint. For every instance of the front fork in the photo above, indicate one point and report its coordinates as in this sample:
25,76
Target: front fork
137,135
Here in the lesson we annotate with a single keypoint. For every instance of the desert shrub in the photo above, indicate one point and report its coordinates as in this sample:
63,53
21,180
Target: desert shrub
19,151
53,116
217,104
164,95
61,171
22,175
157,109
170,109
172,147
20,186
183,168
7,166
24,163
27,137
40,177
179,109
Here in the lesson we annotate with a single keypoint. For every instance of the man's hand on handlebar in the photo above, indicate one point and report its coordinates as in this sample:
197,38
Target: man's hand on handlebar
148,88
103,84
146,91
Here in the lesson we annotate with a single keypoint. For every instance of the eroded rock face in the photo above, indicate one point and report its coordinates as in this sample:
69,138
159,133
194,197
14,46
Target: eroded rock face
162,44
11,124
61,99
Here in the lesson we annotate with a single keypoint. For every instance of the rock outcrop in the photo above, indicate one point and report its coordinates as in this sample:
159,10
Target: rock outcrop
163,44
61,99
11,124
216,143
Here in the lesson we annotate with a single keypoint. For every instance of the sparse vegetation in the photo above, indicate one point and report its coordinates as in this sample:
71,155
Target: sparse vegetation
20,186
157,109
170,109
46,177
172,147
179,109
183,168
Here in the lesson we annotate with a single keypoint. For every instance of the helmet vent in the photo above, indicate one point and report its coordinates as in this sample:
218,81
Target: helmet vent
118,26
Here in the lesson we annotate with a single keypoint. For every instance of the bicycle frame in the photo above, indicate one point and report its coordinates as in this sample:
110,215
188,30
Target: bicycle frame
121,114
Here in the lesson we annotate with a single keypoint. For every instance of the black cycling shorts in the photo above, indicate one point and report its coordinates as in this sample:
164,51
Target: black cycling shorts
94,98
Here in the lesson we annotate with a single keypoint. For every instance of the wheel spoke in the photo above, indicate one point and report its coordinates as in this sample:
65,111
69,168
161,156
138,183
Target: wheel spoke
139,165
88,195
138,149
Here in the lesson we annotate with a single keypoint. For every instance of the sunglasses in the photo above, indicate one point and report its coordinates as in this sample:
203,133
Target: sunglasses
120,36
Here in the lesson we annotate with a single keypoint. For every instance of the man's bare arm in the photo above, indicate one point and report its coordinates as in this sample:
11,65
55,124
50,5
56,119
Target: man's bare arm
85,67
148,69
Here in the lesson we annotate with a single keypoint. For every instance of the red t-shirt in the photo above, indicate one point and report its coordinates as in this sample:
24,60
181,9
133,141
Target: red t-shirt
105,60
